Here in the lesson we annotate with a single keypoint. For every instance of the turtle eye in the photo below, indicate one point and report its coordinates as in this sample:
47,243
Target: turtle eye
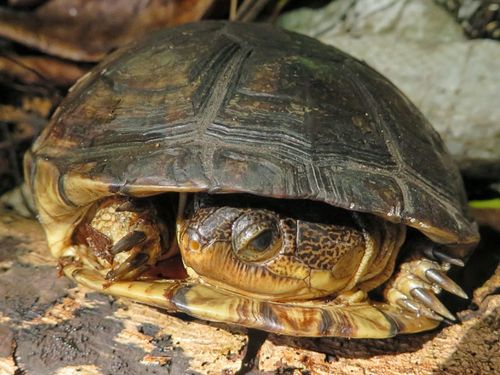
263,240
256,236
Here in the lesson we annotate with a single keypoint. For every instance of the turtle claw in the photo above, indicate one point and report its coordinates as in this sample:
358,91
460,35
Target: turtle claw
131,206
136,264
442,280
429,299
443,257
415,308
123,238
407,304
128,241
415,287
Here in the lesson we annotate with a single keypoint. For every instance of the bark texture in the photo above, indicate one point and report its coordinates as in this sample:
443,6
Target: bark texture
48,325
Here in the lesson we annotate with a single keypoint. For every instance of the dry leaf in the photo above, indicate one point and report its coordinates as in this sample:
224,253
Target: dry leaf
86,30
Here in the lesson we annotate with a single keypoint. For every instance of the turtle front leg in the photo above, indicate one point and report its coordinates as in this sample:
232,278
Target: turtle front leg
419,280
123,238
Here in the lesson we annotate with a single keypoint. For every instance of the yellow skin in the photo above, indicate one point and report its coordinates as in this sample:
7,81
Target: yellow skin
259,268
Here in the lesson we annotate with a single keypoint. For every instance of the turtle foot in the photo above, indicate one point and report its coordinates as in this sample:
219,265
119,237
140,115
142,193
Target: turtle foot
420,279
124,236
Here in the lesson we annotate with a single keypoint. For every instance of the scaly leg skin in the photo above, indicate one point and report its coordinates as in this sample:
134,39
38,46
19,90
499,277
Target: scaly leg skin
415,287
353,317
124,237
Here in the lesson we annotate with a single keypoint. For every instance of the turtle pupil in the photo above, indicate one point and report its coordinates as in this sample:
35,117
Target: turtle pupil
263,240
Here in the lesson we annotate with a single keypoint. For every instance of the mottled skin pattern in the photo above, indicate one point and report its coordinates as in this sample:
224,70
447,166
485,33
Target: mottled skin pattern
250,251
325,259
320,244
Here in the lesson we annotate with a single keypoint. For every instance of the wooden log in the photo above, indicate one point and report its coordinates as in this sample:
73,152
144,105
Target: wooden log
48,325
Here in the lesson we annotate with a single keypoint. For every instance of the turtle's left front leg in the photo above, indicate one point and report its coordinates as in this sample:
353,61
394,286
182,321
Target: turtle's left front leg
419,280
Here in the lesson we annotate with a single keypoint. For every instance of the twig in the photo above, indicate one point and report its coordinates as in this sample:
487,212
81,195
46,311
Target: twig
277,10
253,11
233,10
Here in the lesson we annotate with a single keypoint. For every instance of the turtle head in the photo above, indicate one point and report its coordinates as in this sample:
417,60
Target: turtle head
267,255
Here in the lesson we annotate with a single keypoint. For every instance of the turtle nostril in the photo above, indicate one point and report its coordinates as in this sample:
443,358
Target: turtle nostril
194,245
192,240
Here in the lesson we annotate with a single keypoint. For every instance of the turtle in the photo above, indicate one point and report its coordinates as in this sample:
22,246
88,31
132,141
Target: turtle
245,174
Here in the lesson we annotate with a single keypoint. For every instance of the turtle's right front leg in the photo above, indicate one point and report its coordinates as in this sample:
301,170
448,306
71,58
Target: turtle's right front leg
124,238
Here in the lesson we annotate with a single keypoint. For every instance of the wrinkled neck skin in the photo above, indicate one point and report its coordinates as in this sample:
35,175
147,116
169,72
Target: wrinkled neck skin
283,250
